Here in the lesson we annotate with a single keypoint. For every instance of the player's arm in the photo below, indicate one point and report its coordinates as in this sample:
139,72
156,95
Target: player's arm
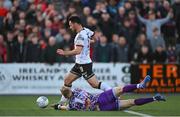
87,103
75,51
93,39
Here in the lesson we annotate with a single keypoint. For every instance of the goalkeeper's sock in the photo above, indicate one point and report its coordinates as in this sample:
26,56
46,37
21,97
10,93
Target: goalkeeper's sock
103,86
142,101
129,88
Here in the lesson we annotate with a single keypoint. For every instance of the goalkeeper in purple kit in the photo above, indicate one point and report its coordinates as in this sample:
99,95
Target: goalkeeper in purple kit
109,100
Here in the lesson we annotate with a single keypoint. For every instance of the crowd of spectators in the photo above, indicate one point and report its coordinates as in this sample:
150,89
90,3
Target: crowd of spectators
135,31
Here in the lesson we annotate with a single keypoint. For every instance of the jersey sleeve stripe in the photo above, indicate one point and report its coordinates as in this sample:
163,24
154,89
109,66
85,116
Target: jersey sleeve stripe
93,34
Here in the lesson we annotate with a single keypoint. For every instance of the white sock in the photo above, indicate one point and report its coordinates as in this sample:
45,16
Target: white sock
154,98
137,86
104,86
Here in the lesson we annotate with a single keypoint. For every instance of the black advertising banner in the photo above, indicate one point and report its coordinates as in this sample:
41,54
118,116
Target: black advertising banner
165,77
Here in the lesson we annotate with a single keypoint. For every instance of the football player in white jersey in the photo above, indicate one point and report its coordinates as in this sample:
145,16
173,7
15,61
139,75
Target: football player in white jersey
83,62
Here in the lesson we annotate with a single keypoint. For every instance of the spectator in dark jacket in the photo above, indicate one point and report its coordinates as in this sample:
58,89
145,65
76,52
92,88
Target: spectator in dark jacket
140,41
34,51
107,26
143,56
114,48
20,49
102,50
10,46
50,55
127,31
122,53
159,56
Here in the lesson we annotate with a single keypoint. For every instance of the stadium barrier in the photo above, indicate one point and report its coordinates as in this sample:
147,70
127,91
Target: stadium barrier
47,79
165,77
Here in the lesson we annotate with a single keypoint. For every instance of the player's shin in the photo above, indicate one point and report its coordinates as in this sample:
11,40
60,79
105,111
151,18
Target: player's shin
129,88
63,100
141,85
142,101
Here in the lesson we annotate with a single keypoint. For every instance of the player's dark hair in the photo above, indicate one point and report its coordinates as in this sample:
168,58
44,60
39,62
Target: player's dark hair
75,19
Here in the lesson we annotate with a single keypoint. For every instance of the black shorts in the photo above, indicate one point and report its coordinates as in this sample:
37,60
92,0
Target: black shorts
84,70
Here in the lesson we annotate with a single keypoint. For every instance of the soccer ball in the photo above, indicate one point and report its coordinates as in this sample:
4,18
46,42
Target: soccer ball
42,101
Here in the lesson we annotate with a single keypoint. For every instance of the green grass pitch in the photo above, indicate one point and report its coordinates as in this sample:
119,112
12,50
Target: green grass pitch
26,106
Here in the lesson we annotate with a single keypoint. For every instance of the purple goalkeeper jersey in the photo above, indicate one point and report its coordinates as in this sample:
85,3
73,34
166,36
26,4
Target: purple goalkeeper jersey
78,100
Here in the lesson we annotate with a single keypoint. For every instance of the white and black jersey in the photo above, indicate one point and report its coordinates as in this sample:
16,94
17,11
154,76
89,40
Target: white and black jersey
83,39
83,66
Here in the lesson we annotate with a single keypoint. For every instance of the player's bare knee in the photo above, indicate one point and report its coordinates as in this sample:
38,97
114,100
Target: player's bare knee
131,102
119,90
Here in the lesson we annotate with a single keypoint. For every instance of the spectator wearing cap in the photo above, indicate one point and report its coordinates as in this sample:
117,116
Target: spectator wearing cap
152,22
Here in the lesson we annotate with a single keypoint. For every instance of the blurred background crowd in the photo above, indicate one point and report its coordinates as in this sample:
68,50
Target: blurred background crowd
135,31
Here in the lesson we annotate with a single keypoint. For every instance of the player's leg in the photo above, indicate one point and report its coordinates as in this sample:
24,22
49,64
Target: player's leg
98,85
69,78
73,75
124,104
129,88
91,78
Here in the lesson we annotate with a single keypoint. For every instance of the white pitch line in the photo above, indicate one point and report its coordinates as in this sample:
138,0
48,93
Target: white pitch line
137,113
